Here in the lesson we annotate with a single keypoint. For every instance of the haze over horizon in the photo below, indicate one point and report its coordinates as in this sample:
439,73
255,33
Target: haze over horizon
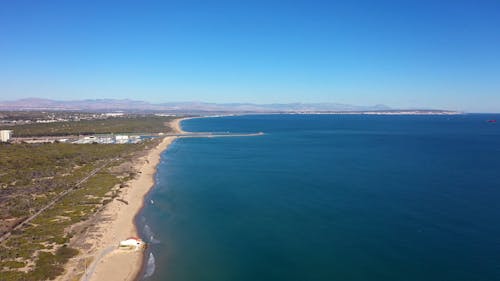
404,54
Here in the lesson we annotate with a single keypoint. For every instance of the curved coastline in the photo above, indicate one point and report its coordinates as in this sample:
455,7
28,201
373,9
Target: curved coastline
118,221
177,127
141,265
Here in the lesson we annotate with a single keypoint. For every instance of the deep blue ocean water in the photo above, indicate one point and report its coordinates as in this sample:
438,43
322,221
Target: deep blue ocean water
328,197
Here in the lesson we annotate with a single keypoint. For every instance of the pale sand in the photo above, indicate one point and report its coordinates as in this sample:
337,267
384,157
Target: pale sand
176,125
104,261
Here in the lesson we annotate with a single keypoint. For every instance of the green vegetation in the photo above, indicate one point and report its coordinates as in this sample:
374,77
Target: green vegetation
32,176
48,266
112,125
31,116
12,264
35,174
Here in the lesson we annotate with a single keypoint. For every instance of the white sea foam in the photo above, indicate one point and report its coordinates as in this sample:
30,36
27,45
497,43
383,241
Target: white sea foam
150,266
150,235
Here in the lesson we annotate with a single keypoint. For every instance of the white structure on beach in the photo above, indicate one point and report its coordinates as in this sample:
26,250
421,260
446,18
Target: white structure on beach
132,243
5,135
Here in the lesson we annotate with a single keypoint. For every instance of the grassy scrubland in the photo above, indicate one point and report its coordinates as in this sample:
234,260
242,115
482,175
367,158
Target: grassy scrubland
112,125
32,177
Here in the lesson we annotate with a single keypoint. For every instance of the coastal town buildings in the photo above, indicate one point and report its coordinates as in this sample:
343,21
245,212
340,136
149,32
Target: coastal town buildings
109,139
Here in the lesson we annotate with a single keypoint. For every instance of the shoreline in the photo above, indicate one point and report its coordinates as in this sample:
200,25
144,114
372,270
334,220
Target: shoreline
103,260
177,128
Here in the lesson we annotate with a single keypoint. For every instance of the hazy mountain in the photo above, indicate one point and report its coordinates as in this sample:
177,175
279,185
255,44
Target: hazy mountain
185,107
127,104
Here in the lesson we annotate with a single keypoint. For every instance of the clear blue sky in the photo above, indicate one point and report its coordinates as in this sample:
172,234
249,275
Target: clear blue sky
402,53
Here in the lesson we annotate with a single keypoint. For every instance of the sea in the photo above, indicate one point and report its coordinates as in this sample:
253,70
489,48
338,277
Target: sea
327,197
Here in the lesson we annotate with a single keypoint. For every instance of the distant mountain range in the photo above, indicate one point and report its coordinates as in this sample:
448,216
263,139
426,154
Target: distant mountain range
127,105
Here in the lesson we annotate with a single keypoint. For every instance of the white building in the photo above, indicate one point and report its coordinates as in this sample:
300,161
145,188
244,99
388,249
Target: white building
5,135
113,114
132,243
106,140
86,140
121,139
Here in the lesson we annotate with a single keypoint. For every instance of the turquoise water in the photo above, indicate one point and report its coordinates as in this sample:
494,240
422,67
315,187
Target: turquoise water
328,197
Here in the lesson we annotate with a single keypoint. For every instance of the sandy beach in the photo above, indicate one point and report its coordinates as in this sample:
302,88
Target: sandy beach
100,260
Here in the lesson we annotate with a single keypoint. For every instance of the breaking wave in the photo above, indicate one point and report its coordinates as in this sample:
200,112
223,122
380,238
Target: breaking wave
150,266
150,235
